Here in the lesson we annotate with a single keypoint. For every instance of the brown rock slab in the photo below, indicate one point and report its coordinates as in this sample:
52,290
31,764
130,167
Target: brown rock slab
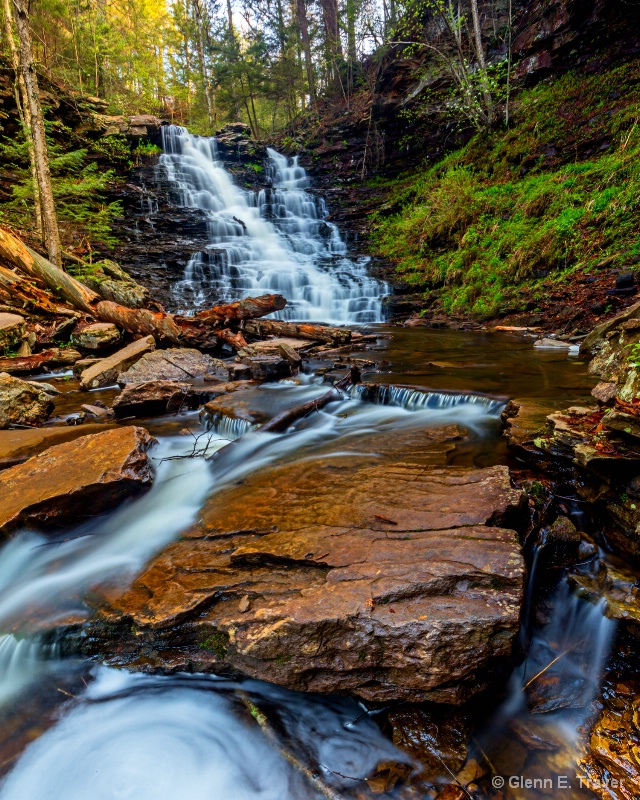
22,403
605,393
106,371
382,578
98,336
69,482
253,404
19,444
176,364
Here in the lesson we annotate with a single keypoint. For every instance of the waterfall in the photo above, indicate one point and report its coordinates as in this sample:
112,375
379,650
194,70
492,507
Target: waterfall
417,399
275,240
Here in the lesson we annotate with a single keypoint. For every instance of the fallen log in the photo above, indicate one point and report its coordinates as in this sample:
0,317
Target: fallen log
59,357
285,419
206,329
13,287
298,330
249,308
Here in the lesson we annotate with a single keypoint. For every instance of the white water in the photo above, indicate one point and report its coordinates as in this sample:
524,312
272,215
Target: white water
273,241
139,737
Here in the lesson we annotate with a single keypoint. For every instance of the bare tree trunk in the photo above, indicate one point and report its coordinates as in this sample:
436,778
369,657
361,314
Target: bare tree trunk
477,35
303,22
206,85
232,39
27,68
332,38
23,112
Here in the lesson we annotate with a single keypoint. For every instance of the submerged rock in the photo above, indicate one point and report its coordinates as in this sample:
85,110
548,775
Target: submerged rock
437,738
387,580
106,371
176,364
22,402
72,481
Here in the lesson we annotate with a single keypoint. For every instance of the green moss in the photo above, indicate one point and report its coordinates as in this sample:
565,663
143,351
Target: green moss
516,209
216,643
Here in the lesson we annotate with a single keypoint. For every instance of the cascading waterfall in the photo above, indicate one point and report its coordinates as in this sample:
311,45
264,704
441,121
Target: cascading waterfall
417,399
273,241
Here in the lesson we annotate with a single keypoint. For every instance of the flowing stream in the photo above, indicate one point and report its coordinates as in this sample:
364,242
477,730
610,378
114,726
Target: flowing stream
112,734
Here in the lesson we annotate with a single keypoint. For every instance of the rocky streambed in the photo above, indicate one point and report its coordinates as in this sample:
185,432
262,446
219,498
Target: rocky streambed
383,547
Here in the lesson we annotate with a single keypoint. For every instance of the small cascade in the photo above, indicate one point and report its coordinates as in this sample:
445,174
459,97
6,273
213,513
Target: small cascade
273,241
418,399
227,427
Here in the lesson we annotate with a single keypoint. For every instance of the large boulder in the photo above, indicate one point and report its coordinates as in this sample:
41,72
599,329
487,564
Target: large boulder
68,482
22,402
176,364
98,336
105,372
387,579
12,328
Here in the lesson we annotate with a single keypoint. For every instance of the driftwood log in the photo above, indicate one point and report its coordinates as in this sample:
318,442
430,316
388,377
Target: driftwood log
60,357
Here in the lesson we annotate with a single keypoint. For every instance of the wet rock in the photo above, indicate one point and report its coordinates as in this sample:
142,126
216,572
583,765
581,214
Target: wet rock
537,734
22,402
612,765
106,371
623,423
378,577
176,364
98,336
267,368
84,363
18,445
252,404
97,411
605,393
158,397
561,543
436,737
69,482
552,343
551,692
12,328
617,585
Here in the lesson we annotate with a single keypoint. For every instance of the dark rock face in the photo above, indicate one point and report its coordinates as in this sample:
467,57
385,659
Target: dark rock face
389,580
69,482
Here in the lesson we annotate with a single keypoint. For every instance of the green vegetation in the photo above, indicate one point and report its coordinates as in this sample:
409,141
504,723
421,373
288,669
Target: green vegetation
79,184
216,643
492,225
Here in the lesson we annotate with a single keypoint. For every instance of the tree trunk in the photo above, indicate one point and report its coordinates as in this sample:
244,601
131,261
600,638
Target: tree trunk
333,45
27,68
206,85
23,112
484,83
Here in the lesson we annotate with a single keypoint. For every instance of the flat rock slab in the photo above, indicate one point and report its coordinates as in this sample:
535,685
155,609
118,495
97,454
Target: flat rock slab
70,482
256,404
105,372
387,580
19,444
176,364
22,402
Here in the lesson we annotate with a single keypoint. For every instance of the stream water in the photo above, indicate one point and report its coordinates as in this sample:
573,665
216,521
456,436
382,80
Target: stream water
72,729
